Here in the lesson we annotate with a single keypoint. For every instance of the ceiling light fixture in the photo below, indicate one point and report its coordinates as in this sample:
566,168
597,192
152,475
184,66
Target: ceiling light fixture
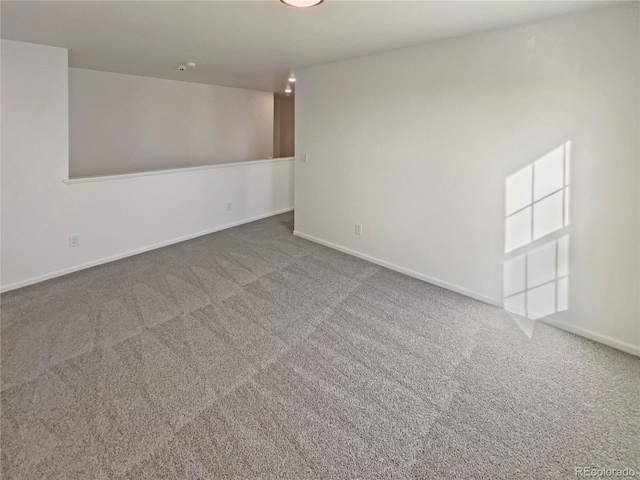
288,89
302,3
184,67
292,79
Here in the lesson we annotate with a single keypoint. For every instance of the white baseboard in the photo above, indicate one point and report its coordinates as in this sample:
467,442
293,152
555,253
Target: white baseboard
94,263
412,273
591,335
612,342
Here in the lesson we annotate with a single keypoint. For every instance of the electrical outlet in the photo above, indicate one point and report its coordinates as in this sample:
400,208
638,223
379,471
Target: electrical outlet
228,206
358,229
74,240
303,157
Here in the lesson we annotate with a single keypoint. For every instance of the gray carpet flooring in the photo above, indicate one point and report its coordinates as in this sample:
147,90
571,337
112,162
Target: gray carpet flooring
251,353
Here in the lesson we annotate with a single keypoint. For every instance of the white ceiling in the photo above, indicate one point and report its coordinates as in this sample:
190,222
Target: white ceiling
251,44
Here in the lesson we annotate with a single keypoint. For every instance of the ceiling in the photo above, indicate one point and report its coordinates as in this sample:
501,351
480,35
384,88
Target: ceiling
251,44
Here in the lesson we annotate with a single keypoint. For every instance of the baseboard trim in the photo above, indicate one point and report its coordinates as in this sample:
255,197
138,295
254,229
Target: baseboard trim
112,258
412,273
591,335
583,332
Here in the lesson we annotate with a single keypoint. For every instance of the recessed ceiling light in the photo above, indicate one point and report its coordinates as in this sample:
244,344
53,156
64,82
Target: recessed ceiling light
302,3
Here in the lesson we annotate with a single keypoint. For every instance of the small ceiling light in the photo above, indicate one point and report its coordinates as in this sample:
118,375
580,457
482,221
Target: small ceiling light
302,3
186,66
288,89
292,79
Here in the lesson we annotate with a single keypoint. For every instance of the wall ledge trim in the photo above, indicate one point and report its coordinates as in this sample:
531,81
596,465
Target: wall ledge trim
122,176
130,253
412,273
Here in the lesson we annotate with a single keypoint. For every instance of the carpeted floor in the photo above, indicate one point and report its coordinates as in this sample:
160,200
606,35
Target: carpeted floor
251,353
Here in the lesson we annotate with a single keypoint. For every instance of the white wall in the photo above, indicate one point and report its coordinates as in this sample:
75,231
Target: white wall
416,145
113,218
35,156
126,123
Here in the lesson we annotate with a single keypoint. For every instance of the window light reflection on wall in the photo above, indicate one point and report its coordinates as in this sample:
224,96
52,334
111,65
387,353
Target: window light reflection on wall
536,272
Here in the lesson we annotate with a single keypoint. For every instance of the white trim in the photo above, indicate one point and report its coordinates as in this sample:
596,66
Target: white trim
65,271
106,178
412,273
583,332
591,335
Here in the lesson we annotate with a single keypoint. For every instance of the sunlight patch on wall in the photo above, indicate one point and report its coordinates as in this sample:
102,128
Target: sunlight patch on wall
536,283
536,268
537,199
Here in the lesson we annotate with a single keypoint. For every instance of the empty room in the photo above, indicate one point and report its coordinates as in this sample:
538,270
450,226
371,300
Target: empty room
320,239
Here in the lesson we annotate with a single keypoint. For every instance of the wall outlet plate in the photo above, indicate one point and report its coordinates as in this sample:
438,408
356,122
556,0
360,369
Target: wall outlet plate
303,157
74,240
358,229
